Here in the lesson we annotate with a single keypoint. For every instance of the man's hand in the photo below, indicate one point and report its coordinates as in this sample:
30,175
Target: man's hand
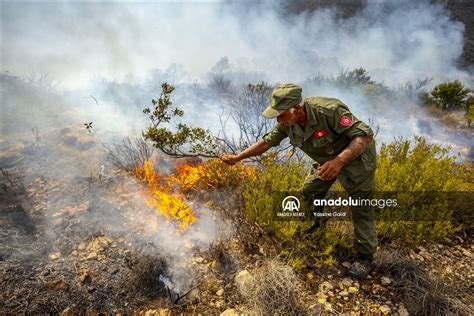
230,159
256,149
330,169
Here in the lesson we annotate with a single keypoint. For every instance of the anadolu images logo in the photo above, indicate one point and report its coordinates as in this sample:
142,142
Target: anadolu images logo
290,204
290,207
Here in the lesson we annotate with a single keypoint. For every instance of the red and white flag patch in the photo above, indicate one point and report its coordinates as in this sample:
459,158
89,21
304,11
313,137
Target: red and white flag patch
345,121
320,133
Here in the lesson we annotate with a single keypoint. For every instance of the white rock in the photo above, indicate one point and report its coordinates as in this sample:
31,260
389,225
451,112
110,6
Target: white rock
54,255
385,281
229,312
244,280
321,297
384,309
91,255
328,307
67,312
353,290
346,264
220,292
403,311
344,293
346,282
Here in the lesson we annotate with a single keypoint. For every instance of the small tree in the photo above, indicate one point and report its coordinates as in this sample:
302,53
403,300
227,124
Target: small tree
450,95
184,141
246,111
470,110
356,77
412,90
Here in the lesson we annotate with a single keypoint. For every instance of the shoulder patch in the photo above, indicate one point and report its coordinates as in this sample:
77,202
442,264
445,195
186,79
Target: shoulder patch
345,121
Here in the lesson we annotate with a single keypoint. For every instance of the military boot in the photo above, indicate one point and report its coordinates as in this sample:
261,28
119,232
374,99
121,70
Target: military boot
361,267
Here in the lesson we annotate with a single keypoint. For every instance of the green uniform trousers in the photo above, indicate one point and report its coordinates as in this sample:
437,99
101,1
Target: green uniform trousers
358,180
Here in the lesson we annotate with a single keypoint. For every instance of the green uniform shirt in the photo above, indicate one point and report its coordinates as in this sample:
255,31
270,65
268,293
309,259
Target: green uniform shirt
329,130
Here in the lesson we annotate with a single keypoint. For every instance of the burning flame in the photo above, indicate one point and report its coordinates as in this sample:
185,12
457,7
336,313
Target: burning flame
160,195
165,192
189,175
211,174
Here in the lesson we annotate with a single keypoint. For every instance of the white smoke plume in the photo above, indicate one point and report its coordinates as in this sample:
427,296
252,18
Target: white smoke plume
396,41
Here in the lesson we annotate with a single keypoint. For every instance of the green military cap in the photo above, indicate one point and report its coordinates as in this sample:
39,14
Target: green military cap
284,97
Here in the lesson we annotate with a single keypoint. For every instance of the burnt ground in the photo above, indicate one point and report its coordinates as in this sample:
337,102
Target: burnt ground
52,256
75,242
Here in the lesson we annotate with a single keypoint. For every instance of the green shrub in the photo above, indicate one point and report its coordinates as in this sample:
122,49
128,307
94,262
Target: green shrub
300,250
259,192
425,99
450,95
470,111
404,167
356,77
423,178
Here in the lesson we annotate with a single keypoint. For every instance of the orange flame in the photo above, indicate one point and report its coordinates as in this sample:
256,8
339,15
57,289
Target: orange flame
211,174
191,175
168,204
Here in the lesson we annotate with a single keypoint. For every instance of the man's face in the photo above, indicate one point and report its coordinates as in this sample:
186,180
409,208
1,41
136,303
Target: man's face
288,118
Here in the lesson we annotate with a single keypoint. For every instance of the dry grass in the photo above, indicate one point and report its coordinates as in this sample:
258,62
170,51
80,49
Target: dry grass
275,291
421,293
129,155
144,277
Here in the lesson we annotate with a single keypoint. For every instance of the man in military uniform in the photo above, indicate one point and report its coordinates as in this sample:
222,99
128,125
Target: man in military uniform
341,146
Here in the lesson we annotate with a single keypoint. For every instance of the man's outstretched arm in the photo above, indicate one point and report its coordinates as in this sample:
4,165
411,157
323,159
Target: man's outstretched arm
255,150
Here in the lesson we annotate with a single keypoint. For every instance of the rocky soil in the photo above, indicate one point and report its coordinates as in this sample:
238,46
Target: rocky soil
54,259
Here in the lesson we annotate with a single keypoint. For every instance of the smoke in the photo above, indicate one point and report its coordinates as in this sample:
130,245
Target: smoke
395,41
119,53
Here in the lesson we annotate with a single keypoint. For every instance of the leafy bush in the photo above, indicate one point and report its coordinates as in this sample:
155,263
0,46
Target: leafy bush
259,192
423,178
470,111
356,77
186,141
219,83
301,249
450,95
213,173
